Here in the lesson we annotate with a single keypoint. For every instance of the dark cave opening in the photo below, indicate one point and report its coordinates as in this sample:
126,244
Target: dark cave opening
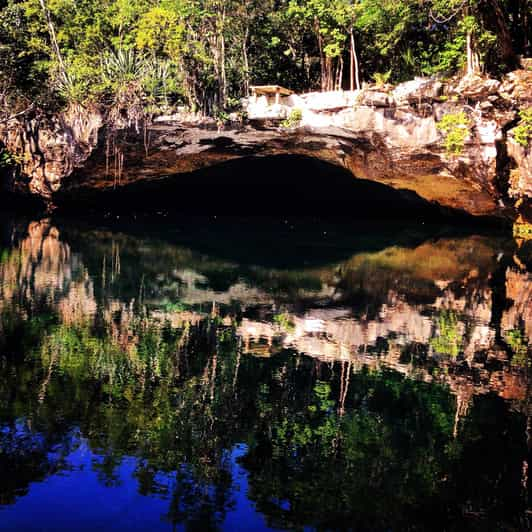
259,186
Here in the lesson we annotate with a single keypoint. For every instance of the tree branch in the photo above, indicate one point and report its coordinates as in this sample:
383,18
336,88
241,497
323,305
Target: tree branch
17,115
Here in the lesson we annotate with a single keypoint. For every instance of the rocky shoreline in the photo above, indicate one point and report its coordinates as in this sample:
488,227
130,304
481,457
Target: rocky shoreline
389,136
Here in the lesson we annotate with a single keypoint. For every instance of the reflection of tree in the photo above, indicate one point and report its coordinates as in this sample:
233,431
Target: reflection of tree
489,469
366,468
170,399
28,455
144,375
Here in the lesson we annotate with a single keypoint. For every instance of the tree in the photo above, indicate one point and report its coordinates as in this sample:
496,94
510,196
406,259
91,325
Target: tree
467,15
331,23
213,49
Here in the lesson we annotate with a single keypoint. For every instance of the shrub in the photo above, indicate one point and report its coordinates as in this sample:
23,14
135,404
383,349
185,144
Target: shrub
296,115
79,82
382,79
455,128
222,117
523,131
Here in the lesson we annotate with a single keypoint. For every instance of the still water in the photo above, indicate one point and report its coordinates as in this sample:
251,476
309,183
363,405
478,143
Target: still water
206,375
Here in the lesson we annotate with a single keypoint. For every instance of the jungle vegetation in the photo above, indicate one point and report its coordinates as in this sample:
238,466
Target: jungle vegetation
204,54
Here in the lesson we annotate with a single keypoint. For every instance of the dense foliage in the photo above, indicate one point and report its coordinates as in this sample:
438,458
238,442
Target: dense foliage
205,53
455,127
523,132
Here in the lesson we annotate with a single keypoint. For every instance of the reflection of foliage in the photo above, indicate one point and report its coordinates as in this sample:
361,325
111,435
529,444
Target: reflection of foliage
449,339
27,456
324,447
284,321
77,351
361,467
180,398
518,343
414,353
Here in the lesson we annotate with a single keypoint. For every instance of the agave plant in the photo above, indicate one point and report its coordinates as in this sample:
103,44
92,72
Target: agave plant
123,66
72,87
157,76
123,72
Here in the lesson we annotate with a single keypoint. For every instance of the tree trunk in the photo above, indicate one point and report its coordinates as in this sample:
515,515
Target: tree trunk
354,58
53,36
339,84
246,62
470,54
527,27
222,62
351,68
329,78
495,20
323,59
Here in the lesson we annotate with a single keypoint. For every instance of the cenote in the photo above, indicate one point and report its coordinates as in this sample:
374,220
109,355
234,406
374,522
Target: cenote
258,186
282,373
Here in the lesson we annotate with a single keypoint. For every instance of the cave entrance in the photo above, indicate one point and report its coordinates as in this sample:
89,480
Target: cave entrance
273,185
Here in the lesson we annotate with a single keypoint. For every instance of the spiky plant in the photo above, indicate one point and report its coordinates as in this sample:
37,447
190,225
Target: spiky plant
123,73
123,66
157,81
72,87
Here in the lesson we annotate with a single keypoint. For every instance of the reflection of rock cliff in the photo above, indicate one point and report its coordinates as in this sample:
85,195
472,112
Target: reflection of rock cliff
411,309
519,292
40,269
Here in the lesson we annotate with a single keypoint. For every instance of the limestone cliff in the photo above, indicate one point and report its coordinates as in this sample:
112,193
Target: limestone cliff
384,134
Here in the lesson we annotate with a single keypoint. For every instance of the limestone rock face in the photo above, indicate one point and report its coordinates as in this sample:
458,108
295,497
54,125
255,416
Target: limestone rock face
375,98
521,175
417,90
50,149
476,87
389,146
381,134
517,86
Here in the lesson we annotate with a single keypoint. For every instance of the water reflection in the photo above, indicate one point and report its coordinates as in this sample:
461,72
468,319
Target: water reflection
150,384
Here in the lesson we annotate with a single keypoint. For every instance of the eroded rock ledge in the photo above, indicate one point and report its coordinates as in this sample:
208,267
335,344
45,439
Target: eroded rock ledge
389,136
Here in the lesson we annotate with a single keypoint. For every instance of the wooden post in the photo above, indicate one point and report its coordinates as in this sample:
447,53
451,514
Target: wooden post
277,96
